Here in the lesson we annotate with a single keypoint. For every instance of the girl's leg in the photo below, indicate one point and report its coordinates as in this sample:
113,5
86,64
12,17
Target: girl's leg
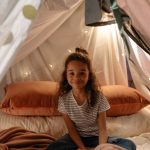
90,141
63,143
122,142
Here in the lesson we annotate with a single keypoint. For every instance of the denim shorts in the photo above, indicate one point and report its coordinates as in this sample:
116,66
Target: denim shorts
66,143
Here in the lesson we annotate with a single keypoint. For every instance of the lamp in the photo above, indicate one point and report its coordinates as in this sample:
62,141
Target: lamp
98,13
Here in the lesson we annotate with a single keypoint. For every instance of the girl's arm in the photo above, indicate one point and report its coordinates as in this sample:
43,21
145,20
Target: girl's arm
102,128
73,132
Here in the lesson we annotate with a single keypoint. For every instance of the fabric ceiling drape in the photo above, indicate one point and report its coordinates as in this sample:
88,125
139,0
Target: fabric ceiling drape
139,14
43,59
13,30
55,33
139,62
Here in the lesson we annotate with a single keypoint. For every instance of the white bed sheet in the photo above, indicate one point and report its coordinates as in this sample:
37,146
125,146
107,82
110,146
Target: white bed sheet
51,125
135,127
131,125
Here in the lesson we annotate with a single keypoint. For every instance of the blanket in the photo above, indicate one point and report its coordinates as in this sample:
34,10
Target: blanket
108,147
17,138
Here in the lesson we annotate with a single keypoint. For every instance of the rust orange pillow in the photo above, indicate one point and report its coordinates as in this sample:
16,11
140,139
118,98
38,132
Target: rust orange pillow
123,100
39,98
31,98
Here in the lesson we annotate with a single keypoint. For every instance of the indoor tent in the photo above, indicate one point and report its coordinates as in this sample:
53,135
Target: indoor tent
36,36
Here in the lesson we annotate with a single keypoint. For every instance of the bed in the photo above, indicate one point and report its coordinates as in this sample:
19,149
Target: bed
135,127
133,121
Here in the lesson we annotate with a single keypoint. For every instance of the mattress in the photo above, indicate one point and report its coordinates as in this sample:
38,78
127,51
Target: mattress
135,127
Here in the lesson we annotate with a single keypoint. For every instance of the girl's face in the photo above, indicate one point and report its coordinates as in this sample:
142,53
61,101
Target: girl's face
77,74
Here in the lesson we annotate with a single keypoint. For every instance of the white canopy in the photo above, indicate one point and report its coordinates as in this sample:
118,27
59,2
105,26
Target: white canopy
35,48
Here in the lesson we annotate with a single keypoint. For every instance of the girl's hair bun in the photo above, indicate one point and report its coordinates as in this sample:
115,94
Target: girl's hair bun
81,50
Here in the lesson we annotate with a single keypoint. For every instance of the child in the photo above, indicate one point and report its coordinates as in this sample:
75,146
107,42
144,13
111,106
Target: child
83,107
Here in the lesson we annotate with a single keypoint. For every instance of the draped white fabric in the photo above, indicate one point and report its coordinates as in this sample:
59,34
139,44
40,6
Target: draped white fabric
55,33
139,14
109,56
139,62
13,30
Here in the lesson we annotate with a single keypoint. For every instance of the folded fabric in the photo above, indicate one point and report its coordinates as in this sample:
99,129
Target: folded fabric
19,138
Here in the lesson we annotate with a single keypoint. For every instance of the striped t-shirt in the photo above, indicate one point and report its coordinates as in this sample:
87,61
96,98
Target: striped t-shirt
83,116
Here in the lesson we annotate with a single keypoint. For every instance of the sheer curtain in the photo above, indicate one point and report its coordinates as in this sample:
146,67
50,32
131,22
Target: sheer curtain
139,62
109,56
14,27
139,14
55,33
42,55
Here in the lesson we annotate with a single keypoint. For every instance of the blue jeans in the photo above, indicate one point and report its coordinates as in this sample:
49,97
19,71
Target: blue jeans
66,143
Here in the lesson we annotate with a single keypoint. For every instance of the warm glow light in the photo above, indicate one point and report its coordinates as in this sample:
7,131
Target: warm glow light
27,73
69,50
51,66
86,31
123,54
106,30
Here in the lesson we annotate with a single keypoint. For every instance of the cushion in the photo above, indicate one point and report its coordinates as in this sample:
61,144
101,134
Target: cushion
39,98
31,98
123,100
